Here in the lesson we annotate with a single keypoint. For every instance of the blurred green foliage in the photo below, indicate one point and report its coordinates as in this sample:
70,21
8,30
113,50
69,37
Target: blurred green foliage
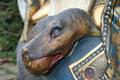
11,27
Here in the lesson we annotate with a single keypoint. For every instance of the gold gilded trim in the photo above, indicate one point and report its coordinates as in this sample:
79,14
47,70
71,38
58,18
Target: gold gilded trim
87,64
91,61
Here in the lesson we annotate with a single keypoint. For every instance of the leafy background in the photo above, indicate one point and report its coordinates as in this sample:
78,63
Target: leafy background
11,26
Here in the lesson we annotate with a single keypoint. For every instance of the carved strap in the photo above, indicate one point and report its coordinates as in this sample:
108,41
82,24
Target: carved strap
106,26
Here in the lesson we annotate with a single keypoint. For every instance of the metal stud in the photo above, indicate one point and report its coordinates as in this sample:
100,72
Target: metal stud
105,24
75,69
109,7
79,65
105,28
79,77
106,21
94,54
103,78
98,52
90,57
104,33
108,12
86,60
83,63
110,3
76,73
104,39
101,49
106,16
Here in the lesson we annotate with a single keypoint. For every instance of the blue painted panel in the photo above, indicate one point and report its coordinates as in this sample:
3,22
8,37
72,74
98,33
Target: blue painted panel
61,70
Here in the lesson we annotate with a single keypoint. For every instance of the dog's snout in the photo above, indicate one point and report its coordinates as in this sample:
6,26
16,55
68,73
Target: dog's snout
25,55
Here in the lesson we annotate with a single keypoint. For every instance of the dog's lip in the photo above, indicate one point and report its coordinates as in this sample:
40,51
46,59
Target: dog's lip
56,58
46,63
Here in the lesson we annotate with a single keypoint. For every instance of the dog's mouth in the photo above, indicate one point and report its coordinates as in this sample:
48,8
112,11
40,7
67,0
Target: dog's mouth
41,65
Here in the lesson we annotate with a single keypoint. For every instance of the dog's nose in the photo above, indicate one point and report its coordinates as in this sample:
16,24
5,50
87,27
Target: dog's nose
25,55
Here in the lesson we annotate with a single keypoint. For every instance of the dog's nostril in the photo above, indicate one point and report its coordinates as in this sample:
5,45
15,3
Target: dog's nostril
26,57
25,54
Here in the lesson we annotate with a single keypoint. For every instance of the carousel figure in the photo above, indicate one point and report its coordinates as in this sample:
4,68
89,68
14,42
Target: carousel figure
69,40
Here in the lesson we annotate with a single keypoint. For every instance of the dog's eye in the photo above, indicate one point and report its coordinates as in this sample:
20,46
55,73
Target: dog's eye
55,31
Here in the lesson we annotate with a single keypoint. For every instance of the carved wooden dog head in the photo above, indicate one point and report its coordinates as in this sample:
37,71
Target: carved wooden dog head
53,38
